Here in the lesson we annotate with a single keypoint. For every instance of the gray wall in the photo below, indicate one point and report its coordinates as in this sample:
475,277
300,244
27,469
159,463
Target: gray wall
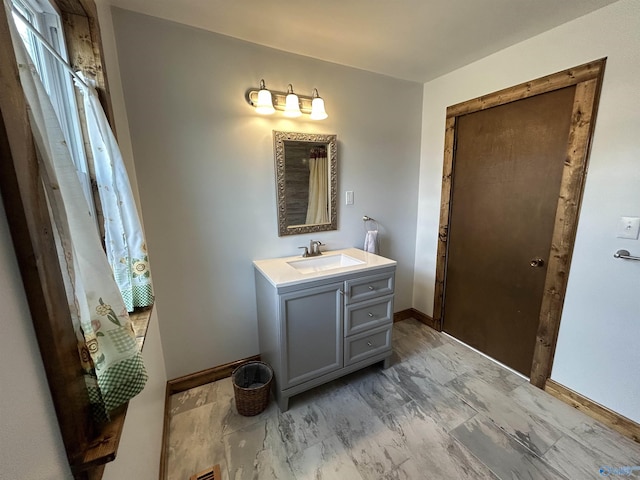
204,164
30,441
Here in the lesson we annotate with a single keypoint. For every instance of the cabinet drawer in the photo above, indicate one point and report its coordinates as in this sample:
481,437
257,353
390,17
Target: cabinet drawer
372,286
367,344
370,314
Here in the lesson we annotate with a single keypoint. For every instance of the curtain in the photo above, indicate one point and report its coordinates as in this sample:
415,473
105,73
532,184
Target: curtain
318,205
124,240
112,363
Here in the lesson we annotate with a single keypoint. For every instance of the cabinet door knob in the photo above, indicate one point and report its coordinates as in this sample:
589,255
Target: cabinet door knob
371,287
369,344
340,292
370,315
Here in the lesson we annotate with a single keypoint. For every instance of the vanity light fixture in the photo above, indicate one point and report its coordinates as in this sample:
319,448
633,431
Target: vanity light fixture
289,103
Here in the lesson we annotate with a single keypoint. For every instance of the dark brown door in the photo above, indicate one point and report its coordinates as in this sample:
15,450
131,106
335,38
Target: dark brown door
507,172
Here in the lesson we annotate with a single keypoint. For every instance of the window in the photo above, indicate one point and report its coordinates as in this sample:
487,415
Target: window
88,446
56,80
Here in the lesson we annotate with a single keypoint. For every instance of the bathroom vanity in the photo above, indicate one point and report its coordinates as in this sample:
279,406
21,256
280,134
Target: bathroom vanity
323,317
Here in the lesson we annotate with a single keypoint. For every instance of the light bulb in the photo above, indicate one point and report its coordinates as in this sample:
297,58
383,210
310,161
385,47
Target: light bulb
292,104
317,109
264,105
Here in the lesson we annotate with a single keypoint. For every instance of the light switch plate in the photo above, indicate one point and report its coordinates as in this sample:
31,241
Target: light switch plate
349,197
629,227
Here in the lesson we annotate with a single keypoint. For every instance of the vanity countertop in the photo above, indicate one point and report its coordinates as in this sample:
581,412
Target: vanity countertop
280,273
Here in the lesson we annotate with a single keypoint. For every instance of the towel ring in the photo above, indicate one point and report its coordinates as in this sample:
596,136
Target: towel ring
366,219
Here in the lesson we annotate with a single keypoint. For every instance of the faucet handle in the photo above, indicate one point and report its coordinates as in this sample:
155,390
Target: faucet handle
314,247
306,252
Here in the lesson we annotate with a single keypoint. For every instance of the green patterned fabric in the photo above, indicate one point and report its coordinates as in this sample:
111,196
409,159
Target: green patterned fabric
121,339
115,360
137,296
122,381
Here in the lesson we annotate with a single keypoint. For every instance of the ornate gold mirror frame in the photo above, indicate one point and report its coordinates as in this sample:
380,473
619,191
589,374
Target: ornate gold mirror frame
293,152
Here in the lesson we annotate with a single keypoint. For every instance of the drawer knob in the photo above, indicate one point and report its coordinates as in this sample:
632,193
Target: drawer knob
371,287
370,344
370,315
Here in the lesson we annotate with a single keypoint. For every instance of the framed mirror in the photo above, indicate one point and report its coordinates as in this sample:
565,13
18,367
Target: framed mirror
306,182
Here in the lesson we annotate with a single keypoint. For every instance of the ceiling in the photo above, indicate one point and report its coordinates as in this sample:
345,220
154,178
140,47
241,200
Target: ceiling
414,40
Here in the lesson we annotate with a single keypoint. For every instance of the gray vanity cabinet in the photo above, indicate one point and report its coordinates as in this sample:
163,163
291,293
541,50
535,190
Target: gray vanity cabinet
314,332
311,333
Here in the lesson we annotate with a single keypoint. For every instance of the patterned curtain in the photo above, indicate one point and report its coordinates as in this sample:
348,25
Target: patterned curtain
124,240
318,205
112,362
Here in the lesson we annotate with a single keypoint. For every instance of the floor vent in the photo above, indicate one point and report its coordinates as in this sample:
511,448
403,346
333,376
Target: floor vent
212,473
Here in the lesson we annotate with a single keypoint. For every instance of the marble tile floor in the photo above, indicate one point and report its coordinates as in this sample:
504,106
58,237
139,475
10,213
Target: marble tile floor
441,411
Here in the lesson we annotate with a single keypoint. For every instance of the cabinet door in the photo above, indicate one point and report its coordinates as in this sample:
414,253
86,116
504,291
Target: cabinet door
311,333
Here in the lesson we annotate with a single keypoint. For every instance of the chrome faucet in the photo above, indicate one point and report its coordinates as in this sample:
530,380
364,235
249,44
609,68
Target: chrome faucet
313,250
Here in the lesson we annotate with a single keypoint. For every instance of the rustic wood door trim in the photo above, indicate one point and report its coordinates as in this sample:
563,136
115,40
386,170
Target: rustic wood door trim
588,81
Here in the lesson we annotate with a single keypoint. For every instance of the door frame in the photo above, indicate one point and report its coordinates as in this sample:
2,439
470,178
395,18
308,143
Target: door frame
588,81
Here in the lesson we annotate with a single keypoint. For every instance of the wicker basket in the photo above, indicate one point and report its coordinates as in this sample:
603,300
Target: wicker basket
252,387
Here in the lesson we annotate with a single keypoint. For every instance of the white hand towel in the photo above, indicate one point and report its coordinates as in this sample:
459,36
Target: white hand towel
371,242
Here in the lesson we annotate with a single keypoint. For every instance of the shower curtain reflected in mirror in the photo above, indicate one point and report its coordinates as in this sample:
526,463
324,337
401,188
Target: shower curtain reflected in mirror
318,205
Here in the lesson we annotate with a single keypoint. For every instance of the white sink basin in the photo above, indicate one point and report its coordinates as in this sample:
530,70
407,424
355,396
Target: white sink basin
288,271
320,264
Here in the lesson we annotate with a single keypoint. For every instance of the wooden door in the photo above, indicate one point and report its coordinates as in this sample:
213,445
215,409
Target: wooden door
508,170
514,168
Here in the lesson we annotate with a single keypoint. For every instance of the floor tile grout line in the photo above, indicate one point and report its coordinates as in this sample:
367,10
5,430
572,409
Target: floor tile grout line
533,453
527,412
417,402
462,445
528,450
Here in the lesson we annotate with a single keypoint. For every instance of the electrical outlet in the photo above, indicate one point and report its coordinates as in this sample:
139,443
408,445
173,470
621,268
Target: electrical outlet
629,227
